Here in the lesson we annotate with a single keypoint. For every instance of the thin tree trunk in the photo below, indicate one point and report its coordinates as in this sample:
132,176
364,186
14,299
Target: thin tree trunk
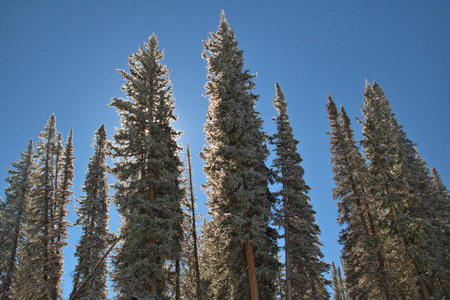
12,261
177,280
194,229
288,261
75,293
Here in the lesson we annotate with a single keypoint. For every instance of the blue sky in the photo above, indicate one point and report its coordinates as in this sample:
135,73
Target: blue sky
60,57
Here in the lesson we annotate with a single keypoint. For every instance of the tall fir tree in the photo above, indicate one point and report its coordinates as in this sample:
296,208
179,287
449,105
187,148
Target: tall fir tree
397,180
237,178
93,219
41,266
147,169
363,253
304,265
191,279
12,216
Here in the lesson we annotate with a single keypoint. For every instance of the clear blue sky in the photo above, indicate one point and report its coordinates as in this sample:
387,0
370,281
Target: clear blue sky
60,57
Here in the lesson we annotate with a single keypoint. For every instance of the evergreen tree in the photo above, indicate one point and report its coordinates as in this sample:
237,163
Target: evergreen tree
93,219
12,216
337,283
304,265
441,220
363,251
396,181
237,178
40,268
147,169
191,278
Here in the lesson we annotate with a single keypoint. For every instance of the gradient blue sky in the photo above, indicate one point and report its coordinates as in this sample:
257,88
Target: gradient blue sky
60,57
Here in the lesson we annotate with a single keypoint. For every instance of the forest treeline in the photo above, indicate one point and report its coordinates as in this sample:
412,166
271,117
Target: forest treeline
256,244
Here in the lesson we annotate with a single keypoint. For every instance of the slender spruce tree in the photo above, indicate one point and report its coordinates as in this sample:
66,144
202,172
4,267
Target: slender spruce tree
147,169
237,178
12,216
304,265
41,265
363,252
93,219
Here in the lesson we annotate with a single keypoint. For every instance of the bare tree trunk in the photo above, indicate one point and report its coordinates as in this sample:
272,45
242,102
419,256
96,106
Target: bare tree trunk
194,229
76,291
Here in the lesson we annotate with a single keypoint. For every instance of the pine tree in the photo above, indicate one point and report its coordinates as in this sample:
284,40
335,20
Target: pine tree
12,216
363,252
304,266
237,178
337,283
147,169
441,221
395,180
192,284
40,269
93,219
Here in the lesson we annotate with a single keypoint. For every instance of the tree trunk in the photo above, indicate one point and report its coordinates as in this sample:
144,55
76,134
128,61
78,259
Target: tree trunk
194,229
177,280
288,261
251,267
251,270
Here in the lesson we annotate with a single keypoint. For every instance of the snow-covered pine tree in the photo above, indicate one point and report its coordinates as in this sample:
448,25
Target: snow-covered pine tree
304,265
12,216
395,180
40,268
424,235
93,219
337,283
191,279
363,252
63,194
147,169
441,221
245,248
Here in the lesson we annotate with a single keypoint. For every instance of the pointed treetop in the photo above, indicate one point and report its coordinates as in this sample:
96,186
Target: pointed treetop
331,106
222,16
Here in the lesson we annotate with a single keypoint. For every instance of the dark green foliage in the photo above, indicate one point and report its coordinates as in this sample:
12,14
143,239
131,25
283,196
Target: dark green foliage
148,170
304,266
237,178
93,219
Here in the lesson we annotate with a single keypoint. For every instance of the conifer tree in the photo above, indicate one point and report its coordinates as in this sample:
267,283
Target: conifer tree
237,178
393,189
147,169
191,271
304,266
12,216
93,219
337,283
363,252
441,220
40,268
